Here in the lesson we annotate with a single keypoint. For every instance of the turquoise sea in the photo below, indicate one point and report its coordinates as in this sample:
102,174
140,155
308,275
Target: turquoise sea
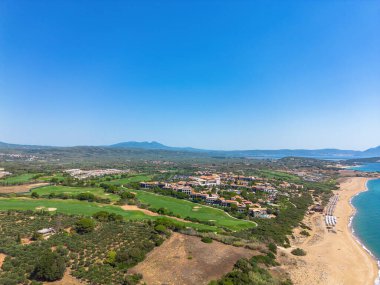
366,222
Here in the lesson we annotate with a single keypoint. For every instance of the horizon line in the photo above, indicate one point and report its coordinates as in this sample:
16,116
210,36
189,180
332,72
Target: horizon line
196,148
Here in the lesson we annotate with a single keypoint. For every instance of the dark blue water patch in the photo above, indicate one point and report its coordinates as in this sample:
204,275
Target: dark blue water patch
369,167
366,222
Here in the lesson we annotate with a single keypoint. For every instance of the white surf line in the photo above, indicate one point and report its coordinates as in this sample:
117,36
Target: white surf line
356,238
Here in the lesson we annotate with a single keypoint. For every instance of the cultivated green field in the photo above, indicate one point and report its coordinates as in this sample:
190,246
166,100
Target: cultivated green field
136,178
84,208
58,176
18,179
185,208
75,190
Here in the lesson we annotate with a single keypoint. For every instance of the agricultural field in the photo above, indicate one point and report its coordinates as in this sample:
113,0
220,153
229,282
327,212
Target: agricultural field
185,208
101,255
18,179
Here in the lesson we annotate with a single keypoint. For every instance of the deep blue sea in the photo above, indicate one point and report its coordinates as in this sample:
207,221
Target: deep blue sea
366,222
369,167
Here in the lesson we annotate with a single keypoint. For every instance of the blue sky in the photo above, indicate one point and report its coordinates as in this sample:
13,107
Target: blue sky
208,74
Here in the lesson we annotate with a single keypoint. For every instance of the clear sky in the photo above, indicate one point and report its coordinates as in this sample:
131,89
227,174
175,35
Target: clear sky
208,74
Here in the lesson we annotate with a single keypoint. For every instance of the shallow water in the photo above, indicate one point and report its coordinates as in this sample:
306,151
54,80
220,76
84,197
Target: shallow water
366,222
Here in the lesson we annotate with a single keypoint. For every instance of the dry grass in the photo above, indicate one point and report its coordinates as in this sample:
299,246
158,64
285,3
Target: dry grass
20,188
186,260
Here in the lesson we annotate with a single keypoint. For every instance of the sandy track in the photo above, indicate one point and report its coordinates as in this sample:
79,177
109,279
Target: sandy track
149,213
334,258
20,188
2,257
135,208
186,260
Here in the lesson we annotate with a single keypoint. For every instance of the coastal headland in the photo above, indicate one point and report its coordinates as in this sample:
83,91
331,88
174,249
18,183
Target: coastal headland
334,257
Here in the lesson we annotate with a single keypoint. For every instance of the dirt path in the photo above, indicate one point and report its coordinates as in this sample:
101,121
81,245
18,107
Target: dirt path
20,188
186,260
2,257
135,208
149,213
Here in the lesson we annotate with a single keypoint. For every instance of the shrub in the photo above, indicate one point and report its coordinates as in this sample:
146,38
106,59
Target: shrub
206,240
101,216
50,267
272,247
36,236
298,252
130,256
127,195
160,228
84,225
111,258
305,233
132,279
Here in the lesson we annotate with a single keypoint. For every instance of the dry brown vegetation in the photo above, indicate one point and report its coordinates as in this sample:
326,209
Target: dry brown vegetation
149,213
186,260
135,208
20,188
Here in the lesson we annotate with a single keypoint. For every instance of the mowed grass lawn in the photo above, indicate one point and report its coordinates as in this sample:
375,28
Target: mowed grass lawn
18,179
180,207
84,208
58,176
97,191
185,208
135,178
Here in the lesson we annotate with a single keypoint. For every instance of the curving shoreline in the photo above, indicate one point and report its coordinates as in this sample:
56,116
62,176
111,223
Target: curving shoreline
335,258
377,280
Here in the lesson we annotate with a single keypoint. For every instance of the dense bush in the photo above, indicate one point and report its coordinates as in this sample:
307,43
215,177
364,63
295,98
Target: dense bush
81,197
50,267
161,229
272,247
132,279
84,225
206,240
298,252
106,216
127,195
130,256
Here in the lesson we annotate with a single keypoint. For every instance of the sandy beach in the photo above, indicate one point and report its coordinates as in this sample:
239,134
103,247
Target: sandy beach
334,258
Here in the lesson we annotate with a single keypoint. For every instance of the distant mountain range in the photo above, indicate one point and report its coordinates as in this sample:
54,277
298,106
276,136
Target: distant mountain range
325,153
151,146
